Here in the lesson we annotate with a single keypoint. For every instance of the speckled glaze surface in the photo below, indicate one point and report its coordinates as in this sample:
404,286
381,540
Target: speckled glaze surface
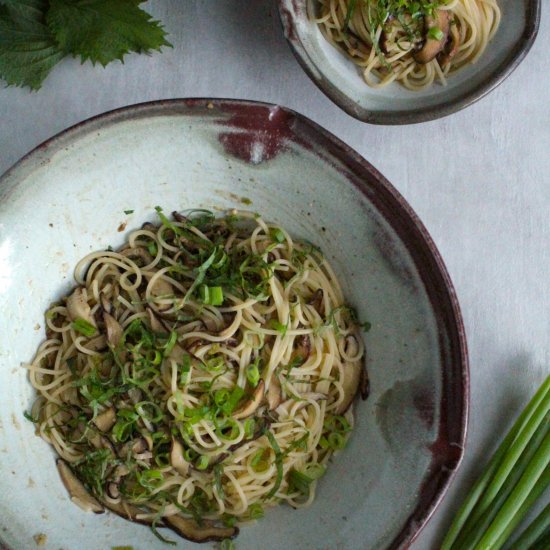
68,197
342,82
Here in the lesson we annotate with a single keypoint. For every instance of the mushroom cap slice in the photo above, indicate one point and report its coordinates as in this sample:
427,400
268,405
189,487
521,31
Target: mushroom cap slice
250,406
128,511
273,394
78,493
97,344
137,253
433,46
176,458
156,324
78,308
162,289
316,301
105,420
189,529
113,328
351,376
451,47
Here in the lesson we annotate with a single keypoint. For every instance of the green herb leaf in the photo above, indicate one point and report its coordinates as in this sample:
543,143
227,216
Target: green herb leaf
104,30
28,50
278,463
127,212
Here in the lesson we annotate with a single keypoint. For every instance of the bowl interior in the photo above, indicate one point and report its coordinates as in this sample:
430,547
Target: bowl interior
342,81
68,198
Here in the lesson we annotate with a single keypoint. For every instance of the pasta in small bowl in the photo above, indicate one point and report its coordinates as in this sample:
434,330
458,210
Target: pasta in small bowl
394,62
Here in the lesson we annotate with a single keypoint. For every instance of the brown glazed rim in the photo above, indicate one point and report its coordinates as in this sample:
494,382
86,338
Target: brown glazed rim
447,450
423,114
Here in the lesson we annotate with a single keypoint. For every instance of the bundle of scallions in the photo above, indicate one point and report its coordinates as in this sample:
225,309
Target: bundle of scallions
512,482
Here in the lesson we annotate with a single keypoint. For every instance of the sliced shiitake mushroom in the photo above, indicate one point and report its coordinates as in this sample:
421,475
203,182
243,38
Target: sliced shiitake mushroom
138,254
105,420
78,493
113,490
303,348
78,308
157,324
162,289
273,394
351,375
106,304
129,512
431,47
113,329
207,532
316,301
97,344
250,406
451,47
148,226
176,458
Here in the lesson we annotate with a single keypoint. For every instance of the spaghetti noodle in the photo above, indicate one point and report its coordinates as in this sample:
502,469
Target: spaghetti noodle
413,43
201,373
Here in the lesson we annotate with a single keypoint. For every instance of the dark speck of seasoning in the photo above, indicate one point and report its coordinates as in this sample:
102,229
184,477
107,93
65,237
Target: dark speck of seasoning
309,213
345,518
323,228
246,200
121,227
50,224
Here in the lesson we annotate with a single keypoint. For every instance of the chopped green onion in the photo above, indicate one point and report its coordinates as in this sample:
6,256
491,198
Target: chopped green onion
202,463
277,235
216,296
218,475
227,544
216,364
255,511
249,427
247,339
149,411
259,461
233,400
85,328
211,295
298,481
221,397
150,479
229,521
128,212
315,471
172,340
185,369
253,373
152,248
435,33
229,430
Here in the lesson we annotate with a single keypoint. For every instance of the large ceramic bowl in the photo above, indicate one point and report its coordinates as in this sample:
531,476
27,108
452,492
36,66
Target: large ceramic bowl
342,82
68,197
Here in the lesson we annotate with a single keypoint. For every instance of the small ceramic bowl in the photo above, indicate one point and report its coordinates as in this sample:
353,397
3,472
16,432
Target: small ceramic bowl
69,197
342,82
